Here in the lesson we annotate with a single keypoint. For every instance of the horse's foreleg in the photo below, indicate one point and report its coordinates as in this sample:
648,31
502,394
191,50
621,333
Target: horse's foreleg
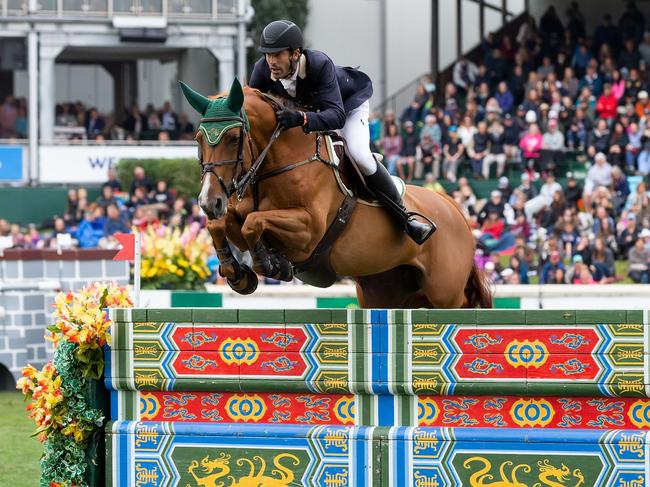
240,278
271,264
291,226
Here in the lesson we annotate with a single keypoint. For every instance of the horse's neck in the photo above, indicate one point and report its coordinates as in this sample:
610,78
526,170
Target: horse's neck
312,183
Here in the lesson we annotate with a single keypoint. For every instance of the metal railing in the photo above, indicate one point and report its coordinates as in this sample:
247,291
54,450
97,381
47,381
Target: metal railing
202,9
510,18
401,98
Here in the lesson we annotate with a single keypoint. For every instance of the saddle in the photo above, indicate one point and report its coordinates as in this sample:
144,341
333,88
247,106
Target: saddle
349,177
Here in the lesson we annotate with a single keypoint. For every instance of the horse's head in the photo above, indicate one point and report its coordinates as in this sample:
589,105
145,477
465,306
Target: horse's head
221,137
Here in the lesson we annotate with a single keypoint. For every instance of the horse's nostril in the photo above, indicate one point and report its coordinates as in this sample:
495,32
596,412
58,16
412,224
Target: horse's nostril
218,206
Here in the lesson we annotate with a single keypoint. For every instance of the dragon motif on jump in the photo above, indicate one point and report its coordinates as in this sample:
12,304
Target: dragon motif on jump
482,340
570,367
211,472
548,474
570,340
198,338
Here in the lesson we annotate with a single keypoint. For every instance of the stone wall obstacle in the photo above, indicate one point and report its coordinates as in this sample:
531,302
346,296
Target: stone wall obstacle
29,281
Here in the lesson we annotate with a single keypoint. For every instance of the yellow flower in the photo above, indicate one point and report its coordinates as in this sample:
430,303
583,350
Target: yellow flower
165,251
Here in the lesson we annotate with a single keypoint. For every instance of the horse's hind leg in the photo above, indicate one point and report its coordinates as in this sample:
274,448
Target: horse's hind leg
406,286
396,288
443,293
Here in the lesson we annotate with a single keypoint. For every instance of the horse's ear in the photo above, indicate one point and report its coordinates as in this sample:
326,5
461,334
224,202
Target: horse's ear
236,96
197,100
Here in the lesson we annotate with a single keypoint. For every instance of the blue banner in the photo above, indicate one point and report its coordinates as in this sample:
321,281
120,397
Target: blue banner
11,162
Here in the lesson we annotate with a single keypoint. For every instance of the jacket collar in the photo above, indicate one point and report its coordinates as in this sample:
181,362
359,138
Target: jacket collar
302,66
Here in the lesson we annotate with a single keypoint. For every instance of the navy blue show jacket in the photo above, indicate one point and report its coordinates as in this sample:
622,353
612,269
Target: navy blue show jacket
327,91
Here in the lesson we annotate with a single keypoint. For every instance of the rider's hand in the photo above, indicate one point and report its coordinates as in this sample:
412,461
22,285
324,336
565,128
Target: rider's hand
290,118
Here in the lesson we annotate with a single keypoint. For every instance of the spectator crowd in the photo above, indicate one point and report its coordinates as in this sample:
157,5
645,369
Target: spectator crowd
550,93
75,121
162,124
13,118
92,224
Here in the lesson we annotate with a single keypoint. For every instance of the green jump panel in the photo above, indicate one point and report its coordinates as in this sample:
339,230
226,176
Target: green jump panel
192,299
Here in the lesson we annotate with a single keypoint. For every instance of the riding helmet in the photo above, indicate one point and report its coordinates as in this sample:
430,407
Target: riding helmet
280,35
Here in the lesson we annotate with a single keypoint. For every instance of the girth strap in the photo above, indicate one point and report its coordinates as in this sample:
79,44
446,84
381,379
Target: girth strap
317,269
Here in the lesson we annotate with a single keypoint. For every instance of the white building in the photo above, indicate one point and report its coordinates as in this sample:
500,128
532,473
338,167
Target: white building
392,39
112,54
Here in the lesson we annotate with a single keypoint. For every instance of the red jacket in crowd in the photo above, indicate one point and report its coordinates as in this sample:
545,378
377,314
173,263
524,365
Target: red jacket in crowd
494,228
606,106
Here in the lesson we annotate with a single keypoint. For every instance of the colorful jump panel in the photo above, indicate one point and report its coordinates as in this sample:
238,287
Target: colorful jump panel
379,352
188,455
382,410
422,398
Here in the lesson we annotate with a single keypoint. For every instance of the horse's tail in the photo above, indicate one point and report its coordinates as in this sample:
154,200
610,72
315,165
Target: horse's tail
477,290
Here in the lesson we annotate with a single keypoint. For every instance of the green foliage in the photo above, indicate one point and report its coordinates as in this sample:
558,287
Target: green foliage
182,174
64,461
269,10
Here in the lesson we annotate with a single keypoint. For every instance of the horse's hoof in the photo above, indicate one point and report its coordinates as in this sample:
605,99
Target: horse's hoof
247,284
236,270
285,272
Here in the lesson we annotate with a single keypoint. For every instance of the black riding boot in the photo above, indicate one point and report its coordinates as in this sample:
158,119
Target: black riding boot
383,187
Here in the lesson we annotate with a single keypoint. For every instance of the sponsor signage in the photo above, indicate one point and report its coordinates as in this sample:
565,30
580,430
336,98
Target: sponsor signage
11,163
90,164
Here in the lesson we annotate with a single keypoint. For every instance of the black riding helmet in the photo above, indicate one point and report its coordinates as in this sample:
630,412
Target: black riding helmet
280,35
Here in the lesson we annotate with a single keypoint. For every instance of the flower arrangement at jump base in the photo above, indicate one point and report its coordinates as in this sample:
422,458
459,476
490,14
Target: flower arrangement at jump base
60,393
175,259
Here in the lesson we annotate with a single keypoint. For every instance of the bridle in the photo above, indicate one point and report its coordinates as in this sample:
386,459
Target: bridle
242,180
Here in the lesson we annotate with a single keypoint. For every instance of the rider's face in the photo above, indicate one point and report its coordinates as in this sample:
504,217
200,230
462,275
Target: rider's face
281,62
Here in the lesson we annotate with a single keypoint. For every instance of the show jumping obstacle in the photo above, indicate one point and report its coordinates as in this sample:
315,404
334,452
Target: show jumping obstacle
208,397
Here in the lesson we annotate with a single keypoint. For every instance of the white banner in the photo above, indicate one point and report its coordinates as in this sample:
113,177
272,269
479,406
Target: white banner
90,164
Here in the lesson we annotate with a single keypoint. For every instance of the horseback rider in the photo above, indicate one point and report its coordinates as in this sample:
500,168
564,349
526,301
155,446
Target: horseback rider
337,99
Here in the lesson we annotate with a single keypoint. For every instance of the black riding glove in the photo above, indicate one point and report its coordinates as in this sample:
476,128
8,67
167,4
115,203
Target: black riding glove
290,118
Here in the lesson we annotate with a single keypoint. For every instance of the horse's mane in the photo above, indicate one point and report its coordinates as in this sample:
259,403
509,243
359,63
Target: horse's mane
267,97
276,100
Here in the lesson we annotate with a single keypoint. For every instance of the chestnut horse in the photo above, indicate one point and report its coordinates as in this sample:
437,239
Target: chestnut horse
275,194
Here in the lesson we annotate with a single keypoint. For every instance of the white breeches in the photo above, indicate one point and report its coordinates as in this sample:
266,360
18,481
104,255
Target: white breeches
357,136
